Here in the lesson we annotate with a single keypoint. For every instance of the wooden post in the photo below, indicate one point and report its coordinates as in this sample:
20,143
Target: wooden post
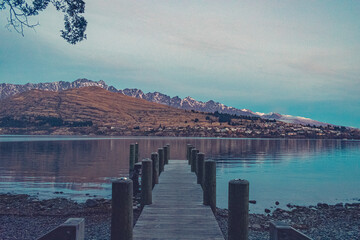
194,152
200,168
168,151
188,153
155,165
122,210
136,152
166,160
132,158
282,231
238,223
209,196
161,160
146,182
135,178
73,228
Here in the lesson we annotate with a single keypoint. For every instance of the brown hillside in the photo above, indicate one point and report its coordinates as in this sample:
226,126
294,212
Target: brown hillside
100,106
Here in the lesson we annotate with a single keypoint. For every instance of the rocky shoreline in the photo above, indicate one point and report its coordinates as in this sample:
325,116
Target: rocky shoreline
25,217
340,221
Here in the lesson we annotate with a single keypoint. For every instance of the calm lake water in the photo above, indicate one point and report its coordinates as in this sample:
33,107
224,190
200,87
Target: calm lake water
302,172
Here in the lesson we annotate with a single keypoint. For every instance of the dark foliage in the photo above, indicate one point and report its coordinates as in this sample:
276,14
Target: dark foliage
226,117
40,121
74,23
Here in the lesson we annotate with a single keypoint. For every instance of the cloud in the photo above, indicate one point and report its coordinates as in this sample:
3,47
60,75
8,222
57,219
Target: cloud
240,52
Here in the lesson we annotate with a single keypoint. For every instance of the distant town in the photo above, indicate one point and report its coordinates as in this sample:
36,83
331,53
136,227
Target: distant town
243,128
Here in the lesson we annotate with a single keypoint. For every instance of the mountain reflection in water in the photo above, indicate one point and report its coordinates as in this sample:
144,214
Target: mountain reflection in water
297,171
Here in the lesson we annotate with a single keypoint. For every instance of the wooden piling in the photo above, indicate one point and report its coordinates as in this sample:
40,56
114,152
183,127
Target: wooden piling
166,159
238,223
161,160
188,153
132,158
194,152
136,152
209,196
168,152
155,165
146,182
200,168
122,210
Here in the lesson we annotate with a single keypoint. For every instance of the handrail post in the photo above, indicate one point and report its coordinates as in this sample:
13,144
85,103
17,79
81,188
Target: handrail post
161,160
238,222
190,155
168,152
188,152
131,158
136,153
194,152
166,159
209,194
146,182
155,165
122,211
200,168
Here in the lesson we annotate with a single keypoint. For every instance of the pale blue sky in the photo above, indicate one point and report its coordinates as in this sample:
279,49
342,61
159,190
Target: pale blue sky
293,57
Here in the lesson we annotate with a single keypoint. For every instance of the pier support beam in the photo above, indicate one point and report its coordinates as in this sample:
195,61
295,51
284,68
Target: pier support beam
168,152
122,211
188,153
166,155
131,158
146,182
238,223
209,196
194,152
200,168
161,160
136,152
155,165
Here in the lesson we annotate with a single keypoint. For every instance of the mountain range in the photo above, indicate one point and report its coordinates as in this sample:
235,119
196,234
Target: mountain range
187,103
91,106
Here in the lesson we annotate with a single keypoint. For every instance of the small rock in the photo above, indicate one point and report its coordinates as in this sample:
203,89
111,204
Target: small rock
252,201
285,214
300,226
256,226
277,203
91,203
267,210
322,205
339,206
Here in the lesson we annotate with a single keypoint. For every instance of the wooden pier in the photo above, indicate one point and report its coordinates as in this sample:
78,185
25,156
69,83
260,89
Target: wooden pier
177,210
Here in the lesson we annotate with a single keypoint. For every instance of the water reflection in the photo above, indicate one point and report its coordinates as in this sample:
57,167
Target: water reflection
277,169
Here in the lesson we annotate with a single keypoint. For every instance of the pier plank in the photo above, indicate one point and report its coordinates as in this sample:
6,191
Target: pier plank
177,211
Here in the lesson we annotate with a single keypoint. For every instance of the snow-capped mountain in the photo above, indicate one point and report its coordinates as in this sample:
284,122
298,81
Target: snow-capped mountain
291,119
188,103
7,90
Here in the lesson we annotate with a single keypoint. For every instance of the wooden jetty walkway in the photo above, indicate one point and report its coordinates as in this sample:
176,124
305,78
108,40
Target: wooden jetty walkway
177,208
177,211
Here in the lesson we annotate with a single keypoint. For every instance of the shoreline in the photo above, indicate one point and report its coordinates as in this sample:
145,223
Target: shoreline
26,217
